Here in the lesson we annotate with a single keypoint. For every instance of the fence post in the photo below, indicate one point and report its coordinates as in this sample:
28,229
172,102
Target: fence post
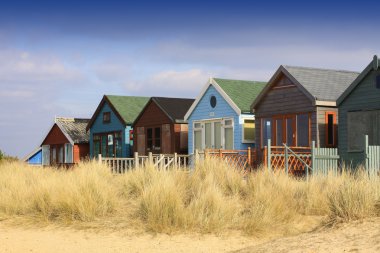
162,161
269,155
150,158
136,156
175,159
249,156
265,156
100,158
286,160
313,167
366,154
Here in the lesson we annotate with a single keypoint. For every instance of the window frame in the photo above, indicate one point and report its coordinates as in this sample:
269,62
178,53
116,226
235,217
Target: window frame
106,117
273,119
212,121
243,140
116,136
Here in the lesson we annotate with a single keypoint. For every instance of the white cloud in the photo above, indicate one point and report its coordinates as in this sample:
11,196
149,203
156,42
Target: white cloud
185,83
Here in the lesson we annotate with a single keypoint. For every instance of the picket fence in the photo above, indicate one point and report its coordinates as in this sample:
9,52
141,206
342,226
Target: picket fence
161,161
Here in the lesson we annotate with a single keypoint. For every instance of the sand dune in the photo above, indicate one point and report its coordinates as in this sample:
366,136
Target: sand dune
353,237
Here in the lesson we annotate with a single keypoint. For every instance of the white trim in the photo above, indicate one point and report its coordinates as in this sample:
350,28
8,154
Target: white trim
212,82
243,118
222,133
325,103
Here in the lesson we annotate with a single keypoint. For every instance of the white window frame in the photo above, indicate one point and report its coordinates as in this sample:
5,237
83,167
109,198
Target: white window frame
243,119
212,121
72,153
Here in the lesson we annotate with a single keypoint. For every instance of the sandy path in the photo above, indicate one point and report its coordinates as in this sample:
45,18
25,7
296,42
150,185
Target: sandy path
353,237
61,241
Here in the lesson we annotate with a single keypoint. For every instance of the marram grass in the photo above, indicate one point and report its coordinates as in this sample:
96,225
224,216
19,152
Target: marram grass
212,198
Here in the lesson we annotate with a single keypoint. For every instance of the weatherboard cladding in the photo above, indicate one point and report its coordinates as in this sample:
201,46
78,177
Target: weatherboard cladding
222,110
323,84
364,96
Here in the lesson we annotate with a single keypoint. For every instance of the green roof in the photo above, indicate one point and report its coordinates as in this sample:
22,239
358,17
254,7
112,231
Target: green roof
242,93
128,107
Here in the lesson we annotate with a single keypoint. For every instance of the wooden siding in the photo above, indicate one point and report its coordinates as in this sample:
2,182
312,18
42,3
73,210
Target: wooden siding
284,98
55,136
364,97
153,117
81,151
114,126
204,111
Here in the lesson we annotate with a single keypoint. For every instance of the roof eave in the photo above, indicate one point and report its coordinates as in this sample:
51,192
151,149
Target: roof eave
373,65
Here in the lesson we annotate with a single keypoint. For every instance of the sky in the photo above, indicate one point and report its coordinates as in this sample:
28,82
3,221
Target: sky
58,58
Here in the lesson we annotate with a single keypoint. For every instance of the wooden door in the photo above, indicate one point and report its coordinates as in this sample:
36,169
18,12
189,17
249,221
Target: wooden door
290,130
140,138
166,139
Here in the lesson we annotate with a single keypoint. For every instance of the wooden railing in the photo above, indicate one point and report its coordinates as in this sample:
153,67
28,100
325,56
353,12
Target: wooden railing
301,161
244,159
161,161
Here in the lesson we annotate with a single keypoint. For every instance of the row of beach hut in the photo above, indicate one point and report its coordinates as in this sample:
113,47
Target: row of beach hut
298,105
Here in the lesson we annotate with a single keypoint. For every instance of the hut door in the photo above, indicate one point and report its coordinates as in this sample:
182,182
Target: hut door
166,139
140,145
290,122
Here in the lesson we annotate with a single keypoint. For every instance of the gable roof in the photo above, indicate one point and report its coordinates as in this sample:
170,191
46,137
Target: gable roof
373,65
174,108
322,86
126,108
242,93
238,93
74,129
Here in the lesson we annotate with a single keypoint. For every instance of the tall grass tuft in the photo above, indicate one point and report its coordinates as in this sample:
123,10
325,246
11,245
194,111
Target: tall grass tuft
211,198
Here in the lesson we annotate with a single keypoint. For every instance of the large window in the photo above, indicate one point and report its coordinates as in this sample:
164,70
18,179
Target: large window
197,136
153,139
293,130
267,131
359,124
330,121
213,134
107,144
249,131
303,130
228,134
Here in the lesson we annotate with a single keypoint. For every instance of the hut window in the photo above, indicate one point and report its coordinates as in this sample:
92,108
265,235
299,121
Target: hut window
378,81
197,136
157,137
213,101
106,117
330,129
228,134
267,130
303,130
249,131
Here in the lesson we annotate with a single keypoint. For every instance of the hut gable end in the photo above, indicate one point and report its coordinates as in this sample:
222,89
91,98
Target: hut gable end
283,97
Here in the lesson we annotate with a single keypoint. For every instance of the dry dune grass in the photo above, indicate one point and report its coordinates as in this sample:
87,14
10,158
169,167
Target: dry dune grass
212,198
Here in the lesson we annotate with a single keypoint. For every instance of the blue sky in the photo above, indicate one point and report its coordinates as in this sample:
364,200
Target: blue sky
58,59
